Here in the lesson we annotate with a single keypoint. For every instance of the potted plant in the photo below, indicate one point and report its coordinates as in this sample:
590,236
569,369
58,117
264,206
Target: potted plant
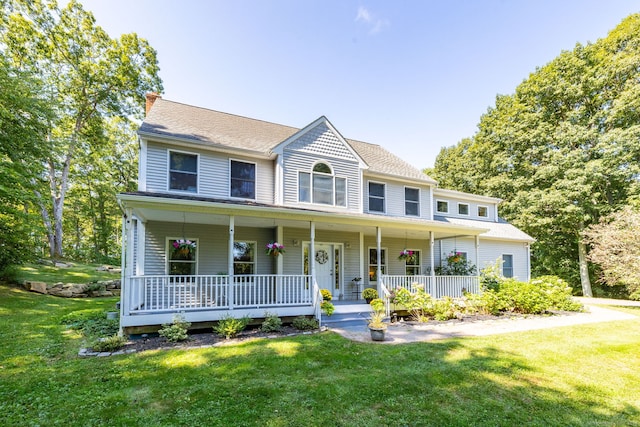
377,327
274,249
369,294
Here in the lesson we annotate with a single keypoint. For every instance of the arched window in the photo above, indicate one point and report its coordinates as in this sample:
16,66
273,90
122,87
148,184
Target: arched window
322,186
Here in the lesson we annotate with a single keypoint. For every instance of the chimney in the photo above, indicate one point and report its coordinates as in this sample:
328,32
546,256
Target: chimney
151,98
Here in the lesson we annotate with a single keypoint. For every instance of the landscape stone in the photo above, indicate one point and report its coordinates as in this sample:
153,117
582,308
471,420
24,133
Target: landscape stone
39,287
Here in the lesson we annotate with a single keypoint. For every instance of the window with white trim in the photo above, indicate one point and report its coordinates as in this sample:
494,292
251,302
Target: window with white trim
182,259
442,206
373,263
463,209
244,257
321,186
183,171
411,201
243,180
376,197
412,265
507,265
483,211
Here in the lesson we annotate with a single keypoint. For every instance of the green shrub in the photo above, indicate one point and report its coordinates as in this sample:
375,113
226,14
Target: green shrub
445,309
327,307
370,293
112,343
419,304
91,322
523,297
176,331
230,327
491,277
303,323
326,294
558,292
272,323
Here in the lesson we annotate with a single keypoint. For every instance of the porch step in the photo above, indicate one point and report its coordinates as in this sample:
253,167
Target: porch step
347,315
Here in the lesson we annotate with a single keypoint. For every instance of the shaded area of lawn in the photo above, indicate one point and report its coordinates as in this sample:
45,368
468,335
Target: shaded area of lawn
583,375
74,273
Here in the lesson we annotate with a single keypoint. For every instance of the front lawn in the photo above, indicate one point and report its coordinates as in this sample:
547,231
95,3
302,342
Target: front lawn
580,376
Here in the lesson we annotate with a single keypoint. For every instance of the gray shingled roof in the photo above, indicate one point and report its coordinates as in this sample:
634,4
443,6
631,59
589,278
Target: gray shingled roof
209,127
497,230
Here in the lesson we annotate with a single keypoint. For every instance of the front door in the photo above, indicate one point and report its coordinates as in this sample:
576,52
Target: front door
324,264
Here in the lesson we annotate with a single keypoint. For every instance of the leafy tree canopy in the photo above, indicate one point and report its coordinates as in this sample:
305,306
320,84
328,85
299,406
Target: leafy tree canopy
562,151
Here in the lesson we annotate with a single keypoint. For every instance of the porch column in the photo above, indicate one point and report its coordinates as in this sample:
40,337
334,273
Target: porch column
279,259
230,284
477,255
379,259
312,251
127,262
142,237
432,258
363,255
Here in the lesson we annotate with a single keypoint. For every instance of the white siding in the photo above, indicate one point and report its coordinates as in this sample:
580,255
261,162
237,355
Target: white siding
213,172
473,208
394,198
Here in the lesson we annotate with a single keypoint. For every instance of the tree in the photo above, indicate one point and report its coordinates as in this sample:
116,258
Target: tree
563,150
88,78
23,123
615,247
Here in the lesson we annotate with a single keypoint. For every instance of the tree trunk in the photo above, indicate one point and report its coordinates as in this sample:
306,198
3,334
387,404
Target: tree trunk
584,270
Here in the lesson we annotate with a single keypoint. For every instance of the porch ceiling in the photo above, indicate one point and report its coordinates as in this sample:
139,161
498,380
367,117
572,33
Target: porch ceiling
157,209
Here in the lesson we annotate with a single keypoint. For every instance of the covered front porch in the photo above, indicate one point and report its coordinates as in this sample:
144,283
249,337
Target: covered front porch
229,272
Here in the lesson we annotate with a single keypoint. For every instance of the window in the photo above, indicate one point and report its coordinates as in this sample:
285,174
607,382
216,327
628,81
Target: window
463,209
412,266
183,172
320,186
244,259
376,197
182,260
507,265
442,206
243,180
411,201
483,211
373,263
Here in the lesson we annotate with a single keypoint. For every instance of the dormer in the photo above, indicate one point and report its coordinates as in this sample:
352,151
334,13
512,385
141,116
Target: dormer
316,168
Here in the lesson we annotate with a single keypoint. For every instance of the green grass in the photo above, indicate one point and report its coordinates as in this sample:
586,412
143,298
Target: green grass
76,273
572,376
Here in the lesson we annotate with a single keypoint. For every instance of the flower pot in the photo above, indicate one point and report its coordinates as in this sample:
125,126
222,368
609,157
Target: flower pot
368,300
377,334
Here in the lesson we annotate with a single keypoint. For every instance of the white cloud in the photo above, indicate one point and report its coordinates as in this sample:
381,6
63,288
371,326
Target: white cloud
374,23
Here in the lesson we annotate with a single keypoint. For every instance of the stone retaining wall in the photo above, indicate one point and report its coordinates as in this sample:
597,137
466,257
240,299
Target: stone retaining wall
104,288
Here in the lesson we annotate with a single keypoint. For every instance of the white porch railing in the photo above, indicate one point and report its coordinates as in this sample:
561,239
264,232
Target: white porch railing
386,297
151,294
436,286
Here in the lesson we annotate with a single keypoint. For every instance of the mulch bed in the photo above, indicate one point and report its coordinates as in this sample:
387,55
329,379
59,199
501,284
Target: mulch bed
205,338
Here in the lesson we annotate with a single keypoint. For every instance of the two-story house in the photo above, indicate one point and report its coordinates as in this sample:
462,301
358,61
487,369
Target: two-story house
215,189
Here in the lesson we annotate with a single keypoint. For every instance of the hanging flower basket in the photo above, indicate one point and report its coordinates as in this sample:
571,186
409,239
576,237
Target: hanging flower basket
274,249
183,248
407,256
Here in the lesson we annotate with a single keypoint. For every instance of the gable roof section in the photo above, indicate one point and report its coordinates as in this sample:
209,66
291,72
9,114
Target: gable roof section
169,119
320,137
213,128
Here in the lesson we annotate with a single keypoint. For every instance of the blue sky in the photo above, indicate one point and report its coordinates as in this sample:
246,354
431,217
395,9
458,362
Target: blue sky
412,76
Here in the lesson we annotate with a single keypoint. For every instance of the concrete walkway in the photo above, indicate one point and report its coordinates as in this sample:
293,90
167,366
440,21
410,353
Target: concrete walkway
401,333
